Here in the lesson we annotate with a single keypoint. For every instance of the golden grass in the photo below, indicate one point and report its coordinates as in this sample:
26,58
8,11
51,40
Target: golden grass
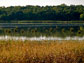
41,52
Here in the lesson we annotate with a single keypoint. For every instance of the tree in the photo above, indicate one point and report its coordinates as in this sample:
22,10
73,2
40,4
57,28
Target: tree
61,12
81,16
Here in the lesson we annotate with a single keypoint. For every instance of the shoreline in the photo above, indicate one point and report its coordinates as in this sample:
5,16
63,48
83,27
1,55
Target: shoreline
23,38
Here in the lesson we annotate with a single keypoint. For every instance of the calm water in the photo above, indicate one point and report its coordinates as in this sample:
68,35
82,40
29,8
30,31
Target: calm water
38,24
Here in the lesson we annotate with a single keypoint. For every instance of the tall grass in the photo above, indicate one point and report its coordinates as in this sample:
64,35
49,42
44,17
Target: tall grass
41,51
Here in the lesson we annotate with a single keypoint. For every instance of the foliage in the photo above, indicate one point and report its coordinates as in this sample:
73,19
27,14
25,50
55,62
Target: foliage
60,12
82,16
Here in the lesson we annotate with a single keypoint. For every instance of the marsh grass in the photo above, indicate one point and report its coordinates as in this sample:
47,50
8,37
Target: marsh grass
41,51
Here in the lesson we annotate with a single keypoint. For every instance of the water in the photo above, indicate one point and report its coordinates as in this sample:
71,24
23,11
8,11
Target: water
38,24
39,38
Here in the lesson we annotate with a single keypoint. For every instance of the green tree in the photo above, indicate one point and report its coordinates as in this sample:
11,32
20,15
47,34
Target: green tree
81,16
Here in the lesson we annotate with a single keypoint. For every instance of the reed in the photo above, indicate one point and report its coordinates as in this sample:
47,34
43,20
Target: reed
41,51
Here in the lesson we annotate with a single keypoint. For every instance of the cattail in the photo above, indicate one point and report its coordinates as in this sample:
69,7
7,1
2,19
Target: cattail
56,27
50,29
79,31
71,29
22,31
81,28
15,30
7,30
63,30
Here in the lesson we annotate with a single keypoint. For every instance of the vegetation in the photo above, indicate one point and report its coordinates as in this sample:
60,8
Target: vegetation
41,51
60,12
55,31
82,16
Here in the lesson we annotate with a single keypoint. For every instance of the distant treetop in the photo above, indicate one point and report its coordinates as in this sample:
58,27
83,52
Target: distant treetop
29,12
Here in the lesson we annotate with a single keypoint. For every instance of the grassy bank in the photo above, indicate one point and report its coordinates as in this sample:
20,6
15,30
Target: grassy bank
42,52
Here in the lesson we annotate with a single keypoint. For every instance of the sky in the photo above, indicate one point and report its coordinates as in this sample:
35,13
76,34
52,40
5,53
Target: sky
7,3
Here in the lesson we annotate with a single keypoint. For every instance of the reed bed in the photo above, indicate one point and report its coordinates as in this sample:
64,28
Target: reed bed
41,51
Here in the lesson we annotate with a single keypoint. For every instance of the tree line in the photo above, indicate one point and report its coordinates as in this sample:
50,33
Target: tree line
61,12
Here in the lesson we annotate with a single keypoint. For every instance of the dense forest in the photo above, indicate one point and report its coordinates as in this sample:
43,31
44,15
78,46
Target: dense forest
61,12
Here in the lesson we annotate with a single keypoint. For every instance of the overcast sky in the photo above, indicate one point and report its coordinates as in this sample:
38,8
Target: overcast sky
39,2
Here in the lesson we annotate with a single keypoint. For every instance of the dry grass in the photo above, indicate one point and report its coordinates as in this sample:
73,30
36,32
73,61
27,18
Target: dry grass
41,52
